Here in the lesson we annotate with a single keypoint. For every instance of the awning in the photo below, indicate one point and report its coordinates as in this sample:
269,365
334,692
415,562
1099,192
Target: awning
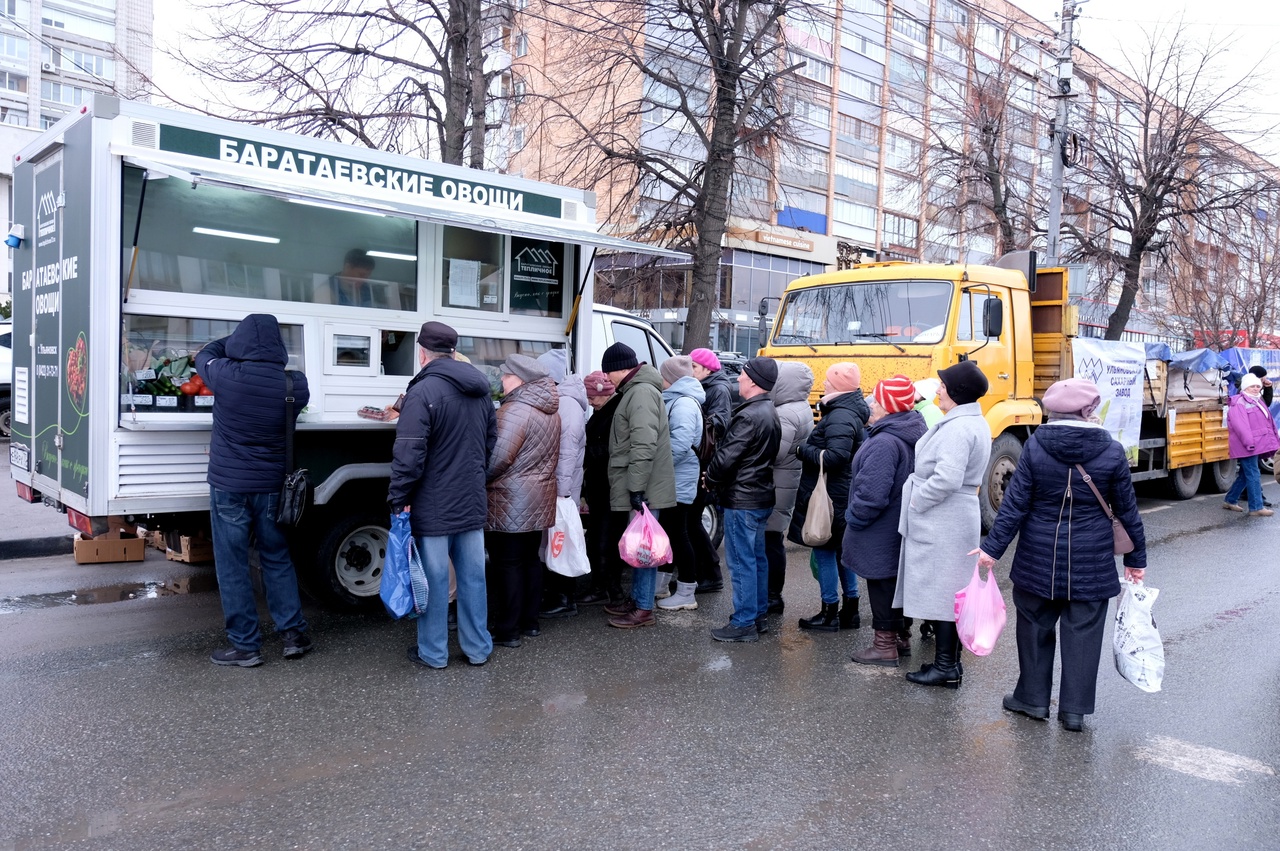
368,199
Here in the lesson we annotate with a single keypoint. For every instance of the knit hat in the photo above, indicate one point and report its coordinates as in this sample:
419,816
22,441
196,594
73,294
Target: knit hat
1077,397
437,337
523,367
598,384
843,377
964,381
706,358
896,394
557,363
763,371
927,388
675,368
617,357
1250,380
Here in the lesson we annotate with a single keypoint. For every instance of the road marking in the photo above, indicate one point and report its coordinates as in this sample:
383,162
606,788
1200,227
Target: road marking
1156,508
1199,761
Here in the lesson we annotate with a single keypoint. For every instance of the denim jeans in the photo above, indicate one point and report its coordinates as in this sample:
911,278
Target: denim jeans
1247,477
644,584
748,565
829,567
466,550
232,517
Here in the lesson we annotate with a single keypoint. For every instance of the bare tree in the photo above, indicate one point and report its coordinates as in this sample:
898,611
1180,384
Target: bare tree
982,137
402,75
672,108
1161,156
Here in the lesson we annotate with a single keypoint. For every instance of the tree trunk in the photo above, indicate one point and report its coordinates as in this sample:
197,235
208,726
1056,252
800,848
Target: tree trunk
456,85
1128,294
479,88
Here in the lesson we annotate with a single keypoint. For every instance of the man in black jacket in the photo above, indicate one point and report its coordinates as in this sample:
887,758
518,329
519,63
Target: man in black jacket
444,438
741,474
246,373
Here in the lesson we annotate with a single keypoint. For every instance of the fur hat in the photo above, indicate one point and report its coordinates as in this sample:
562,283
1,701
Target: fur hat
964,381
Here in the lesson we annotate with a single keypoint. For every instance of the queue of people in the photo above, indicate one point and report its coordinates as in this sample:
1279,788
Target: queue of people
902,470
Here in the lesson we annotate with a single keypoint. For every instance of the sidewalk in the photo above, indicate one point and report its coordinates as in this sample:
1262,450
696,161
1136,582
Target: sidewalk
29,530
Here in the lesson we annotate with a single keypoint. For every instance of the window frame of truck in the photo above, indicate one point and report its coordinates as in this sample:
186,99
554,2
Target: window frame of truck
124,477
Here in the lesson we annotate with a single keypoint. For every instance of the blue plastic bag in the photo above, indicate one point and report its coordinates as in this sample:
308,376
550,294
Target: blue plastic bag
404,582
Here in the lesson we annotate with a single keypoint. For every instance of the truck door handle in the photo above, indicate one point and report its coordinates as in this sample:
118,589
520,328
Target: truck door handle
1002,375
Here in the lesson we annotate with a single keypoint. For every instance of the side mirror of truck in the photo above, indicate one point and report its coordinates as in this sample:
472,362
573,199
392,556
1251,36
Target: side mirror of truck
992,318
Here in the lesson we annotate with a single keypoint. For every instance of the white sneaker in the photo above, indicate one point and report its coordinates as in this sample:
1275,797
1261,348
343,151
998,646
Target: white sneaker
682,599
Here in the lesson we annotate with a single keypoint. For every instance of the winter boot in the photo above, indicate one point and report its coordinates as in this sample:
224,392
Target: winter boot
776,606
849,617
682,599
827,620
903,640
663,588
883,651
945,670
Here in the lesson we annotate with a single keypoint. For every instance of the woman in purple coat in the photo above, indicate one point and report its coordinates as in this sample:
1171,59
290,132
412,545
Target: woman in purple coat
1251,435
871,540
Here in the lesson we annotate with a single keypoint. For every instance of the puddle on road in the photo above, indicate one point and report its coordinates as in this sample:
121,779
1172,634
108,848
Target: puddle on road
109,594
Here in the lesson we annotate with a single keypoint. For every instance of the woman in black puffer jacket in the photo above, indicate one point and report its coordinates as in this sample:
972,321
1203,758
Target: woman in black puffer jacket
834,439
1064,568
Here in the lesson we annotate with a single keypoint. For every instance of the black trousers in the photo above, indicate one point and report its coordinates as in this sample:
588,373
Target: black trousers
514,581
775,552
880,595
603,530
706,556
677,523
1082,626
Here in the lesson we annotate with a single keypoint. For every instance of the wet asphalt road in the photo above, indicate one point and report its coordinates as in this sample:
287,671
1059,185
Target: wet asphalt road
118,733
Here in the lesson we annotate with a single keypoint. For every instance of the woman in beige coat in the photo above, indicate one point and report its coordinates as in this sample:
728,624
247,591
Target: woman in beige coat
941,521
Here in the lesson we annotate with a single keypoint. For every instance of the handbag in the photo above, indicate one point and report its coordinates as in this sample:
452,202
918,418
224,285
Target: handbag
295,493
820,513
1123,543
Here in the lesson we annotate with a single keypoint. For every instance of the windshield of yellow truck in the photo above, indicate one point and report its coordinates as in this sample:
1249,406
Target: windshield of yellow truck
873,312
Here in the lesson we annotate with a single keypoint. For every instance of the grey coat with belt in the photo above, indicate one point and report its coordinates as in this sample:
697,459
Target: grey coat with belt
791,398
940,520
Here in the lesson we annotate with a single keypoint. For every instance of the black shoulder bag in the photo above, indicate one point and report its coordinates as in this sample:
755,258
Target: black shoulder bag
295,493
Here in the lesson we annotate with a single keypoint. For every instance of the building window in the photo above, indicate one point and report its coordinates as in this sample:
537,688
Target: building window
814,69
78,62
901,152
60,93
813,114
13,115
13,48
47,121
859,87
12,82
908,27
861,44
899,230
83,25
522,45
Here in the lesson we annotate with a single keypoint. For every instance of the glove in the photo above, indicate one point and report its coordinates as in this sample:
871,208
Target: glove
395,508
799,450
637,500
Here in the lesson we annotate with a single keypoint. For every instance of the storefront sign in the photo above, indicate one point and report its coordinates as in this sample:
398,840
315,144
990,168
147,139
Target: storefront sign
418,184
767,238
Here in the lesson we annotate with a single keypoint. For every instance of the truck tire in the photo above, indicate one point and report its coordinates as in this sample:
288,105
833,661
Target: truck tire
348,563
1217,476
6,421
1267,466
1005,452
1184,482
713,523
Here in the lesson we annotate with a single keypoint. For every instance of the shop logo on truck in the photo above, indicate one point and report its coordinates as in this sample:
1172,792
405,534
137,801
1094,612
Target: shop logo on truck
46,217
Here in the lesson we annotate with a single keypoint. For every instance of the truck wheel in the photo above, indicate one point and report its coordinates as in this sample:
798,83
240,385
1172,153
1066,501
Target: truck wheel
1184,482
713,522
1266,465
1217,476
348,567
5,419
1005,452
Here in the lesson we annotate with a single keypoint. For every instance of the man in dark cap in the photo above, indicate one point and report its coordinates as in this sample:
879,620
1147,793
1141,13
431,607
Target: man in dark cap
444,438
641,469
741,476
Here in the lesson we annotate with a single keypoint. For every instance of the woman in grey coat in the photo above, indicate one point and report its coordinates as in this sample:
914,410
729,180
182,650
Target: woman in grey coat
941,521
791,399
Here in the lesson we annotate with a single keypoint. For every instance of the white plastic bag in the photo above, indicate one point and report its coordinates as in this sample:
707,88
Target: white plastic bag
565,544
1136,641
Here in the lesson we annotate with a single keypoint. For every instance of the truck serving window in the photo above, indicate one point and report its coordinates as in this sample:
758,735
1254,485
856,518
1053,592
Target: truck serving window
874,312
230,242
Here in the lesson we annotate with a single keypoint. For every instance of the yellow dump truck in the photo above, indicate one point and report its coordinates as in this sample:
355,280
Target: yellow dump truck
914,319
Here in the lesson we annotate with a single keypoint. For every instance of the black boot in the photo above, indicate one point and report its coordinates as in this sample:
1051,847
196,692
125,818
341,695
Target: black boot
827,620
945,670
849,617
775,604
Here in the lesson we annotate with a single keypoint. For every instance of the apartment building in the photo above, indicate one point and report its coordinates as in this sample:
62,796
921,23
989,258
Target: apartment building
887,114
53,53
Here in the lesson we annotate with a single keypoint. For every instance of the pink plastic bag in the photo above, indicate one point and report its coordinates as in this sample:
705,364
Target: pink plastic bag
644,544
980,615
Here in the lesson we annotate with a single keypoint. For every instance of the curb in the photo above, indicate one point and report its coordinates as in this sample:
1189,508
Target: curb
36,547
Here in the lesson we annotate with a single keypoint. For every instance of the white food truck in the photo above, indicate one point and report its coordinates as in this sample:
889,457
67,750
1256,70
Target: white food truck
144,233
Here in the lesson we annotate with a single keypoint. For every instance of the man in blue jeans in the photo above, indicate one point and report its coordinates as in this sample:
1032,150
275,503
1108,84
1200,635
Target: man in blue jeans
741,476
246,372
444,437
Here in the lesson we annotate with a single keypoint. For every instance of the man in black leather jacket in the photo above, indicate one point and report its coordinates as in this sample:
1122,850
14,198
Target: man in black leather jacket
741,475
